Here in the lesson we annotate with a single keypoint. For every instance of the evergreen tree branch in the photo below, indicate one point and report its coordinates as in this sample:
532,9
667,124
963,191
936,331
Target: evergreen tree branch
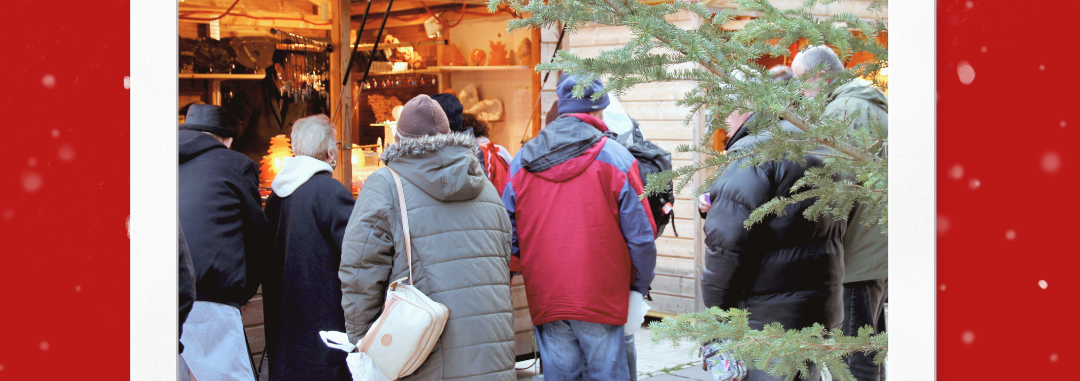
773,349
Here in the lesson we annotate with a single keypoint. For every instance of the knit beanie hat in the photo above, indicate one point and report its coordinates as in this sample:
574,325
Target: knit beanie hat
452,107
569,104
422,116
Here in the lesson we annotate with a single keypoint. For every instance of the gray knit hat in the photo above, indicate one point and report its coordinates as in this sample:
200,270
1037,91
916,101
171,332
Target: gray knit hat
422,116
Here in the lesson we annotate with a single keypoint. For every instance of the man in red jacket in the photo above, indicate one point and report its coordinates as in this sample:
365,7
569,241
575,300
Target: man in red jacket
584,237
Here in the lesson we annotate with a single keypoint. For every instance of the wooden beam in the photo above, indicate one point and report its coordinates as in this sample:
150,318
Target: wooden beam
340,103
259,18
264,31
417,16
855,7
379,6
281,6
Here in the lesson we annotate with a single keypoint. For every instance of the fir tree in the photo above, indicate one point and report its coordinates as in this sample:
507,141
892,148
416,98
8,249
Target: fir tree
722,65
772,349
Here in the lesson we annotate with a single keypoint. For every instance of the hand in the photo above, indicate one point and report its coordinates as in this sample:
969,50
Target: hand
704,203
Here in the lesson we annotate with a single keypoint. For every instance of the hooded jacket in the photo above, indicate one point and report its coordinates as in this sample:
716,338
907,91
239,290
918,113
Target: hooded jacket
461,249
223,220
308,212
866,248
584,237
784,269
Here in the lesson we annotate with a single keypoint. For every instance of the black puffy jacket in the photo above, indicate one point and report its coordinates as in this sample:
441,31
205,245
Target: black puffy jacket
784,269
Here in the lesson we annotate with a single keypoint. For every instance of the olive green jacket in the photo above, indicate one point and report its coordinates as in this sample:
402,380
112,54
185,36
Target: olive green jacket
866,249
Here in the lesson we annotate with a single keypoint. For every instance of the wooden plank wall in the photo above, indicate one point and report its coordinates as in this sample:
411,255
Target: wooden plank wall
653,106
523,328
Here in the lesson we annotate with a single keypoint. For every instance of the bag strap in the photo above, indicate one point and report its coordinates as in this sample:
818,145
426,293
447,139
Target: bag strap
404,221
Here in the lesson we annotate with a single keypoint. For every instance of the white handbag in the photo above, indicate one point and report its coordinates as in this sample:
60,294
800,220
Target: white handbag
404,334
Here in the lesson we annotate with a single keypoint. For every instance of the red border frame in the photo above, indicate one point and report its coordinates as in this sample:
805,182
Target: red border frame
64,200
998,139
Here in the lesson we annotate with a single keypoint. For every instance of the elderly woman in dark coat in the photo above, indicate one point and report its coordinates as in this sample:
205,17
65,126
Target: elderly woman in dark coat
308,212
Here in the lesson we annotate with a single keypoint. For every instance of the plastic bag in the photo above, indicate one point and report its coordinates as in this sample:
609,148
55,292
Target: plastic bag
636,313
360,364
362,368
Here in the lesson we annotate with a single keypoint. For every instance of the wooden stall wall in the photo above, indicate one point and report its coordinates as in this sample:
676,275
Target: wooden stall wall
653,106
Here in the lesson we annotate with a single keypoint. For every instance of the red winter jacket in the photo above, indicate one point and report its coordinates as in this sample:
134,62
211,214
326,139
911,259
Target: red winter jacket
584,237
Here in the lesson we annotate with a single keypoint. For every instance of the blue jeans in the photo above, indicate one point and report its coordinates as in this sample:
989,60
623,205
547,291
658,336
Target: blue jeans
864,304
573,350
631,356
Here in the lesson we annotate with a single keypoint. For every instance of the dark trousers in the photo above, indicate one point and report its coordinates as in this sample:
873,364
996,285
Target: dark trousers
864,304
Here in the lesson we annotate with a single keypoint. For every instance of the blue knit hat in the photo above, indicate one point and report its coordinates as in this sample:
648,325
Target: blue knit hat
568,104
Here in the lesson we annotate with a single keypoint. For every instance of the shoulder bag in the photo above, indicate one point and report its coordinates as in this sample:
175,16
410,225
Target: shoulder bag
405,333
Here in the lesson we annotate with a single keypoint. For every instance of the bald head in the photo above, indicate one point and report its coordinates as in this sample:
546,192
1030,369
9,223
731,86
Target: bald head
810,58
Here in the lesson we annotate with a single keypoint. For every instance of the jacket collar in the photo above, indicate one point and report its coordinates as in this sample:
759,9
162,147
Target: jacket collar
592,121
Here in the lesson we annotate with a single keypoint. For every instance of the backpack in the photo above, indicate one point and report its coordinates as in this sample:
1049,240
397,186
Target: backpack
498,172
496,169
652,159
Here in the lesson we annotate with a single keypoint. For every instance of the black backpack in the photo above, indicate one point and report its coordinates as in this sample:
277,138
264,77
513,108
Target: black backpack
652,159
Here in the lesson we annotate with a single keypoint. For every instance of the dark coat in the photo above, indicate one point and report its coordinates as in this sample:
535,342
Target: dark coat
302,294
784,269
254,115
225,226
186,280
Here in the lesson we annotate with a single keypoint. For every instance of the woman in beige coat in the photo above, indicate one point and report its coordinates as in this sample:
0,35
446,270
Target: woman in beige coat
461,247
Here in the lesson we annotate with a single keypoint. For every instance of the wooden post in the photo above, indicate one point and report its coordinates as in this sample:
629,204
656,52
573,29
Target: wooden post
536,85
340,17
698,126
215,92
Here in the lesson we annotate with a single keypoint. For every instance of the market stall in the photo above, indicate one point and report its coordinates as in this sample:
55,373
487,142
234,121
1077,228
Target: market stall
356,61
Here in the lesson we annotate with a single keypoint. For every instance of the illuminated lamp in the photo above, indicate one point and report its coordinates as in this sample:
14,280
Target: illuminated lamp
271,163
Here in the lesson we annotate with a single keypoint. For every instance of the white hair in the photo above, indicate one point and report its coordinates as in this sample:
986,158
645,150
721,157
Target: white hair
313,136
809,59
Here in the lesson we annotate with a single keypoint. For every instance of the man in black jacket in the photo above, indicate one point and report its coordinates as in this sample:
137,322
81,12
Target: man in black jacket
783,269
257,111
225,228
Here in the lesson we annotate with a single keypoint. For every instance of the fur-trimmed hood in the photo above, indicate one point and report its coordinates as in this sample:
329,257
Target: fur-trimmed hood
443,166
428,144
